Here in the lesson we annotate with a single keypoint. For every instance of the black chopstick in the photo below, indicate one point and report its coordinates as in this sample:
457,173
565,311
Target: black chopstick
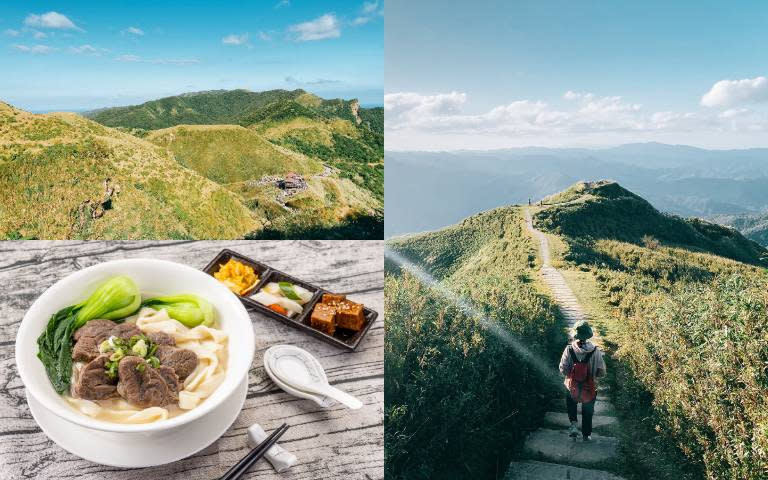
254,455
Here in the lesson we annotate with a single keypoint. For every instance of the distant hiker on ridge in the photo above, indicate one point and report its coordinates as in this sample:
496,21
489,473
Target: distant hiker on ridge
582,363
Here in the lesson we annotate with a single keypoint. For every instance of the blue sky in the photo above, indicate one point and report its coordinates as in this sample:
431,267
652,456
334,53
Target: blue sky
80,55
489,74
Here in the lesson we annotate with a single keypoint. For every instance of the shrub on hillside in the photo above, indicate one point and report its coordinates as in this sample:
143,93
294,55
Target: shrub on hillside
693,332
703,354
459,399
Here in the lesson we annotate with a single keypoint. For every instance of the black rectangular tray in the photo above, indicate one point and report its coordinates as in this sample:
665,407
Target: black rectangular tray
345,339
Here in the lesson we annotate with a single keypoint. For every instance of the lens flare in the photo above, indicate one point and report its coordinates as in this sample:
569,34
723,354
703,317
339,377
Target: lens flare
542,366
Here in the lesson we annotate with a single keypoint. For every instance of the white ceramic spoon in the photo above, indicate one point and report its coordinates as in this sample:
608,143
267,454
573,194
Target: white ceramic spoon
299,369
320,400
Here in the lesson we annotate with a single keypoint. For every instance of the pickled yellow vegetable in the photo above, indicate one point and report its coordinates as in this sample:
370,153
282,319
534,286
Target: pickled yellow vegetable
237,276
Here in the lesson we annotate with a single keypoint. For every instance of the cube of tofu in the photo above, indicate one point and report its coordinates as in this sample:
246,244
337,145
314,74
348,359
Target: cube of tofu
333,299
323,318
350,315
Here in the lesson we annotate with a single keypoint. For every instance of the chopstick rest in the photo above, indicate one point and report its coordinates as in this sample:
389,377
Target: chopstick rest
280,458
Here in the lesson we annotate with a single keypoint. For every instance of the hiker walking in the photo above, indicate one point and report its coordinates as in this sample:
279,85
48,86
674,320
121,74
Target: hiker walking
582,363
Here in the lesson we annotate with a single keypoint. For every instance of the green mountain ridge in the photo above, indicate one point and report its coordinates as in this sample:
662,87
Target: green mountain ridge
334,131
680,305
211,107
51,164
605,210
343,183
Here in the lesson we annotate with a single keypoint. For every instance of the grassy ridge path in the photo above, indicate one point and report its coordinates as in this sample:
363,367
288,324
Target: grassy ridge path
553,454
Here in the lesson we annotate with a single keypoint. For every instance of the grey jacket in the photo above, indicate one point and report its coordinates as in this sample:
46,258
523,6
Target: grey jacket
596,363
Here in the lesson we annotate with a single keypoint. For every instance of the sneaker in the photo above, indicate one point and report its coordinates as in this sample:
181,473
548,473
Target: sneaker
587,438
573,431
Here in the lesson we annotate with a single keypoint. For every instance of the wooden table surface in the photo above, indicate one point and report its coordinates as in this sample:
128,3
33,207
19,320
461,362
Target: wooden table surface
330,443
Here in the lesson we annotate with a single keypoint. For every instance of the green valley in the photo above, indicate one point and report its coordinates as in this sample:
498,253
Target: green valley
216,164
680,309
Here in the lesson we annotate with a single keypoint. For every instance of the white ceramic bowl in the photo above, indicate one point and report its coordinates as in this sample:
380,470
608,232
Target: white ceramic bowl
155,277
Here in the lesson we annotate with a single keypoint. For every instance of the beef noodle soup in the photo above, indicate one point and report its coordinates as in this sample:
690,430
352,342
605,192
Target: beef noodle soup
151,367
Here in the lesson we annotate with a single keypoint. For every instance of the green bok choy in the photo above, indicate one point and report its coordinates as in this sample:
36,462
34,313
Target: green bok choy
188,309
115,299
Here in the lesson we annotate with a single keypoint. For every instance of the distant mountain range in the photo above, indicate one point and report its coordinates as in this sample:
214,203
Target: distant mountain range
678,179
198,165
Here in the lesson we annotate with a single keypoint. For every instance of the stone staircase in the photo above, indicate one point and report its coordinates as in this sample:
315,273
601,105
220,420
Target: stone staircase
555,455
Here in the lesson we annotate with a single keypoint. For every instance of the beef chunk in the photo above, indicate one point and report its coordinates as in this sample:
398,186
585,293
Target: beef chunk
89,337
125,331
147,388
181,360
161,338
93,382
95,328
170,377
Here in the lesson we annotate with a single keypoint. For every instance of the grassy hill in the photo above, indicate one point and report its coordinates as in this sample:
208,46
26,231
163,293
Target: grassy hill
605,210
51,164
680,305
235,140
198,108
305,131
230,153
460,396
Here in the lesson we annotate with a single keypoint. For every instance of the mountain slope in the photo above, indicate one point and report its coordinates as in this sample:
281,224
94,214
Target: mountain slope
456,382
52,185
605,210
684,326
230,153
681,180
336,132
209,107
684,323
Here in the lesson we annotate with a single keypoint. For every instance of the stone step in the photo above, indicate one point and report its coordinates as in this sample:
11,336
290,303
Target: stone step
560,419
532,470
557,446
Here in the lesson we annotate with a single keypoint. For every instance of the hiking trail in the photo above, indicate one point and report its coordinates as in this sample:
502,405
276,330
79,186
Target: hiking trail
551,453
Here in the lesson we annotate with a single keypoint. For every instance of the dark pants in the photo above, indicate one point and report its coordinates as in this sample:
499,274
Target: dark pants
587,409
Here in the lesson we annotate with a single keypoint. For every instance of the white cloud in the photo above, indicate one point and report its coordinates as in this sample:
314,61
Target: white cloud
321,28
583,114
39,35
368,12
233,39
320,81
157,61
729,93
12,33
134,31
50,20
283,3
87,50
265,37
34,49
370,7
733,112
408,109
128,58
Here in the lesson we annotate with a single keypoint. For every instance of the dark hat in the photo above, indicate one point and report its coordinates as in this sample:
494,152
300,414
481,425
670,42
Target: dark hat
582,330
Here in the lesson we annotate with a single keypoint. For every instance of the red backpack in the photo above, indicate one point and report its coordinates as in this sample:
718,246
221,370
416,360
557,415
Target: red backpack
579,381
